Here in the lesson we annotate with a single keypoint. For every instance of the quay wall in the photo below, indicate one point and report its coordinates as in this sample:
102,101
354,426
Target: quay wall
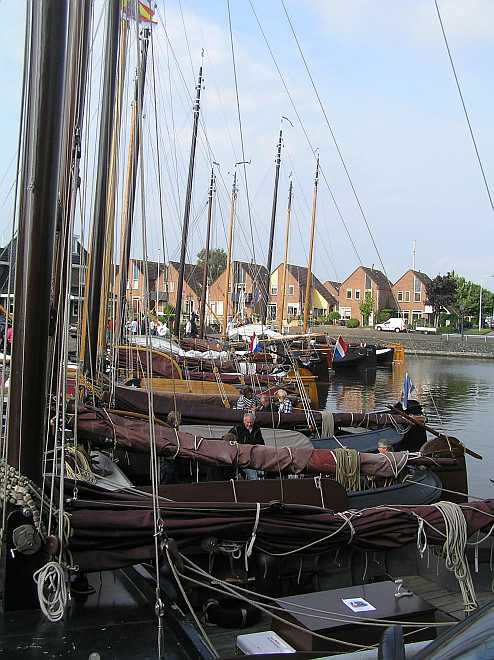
473,346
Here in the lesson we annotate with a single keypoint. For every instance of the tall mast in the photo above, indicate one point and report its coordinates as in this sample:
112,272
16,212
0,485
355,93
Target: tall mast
35,241
271,232
226,297
285,257
308,287
202,310
188,200
95,267
130,185
113,185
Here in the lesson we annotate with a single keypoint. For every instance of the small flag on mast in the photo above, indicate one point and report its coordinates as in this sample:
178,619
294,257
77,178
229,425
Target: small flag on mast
146,13
408,388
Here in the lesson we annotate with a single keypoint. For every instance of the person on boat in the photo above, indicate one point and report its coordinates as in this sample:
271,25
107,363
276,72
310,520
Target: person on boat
384,446
193,326
283,402
3,321
264,404
10,337
249,432
188,328
247,400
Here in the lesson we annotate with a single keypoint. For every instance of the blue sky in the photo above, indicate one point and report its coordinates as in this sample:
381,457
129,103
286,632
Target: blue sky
382,72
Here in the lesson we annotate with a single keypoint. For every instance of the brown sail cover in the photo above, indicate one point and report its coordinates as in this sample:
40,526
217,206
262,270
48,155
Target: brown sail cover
112,530
95,424
199,409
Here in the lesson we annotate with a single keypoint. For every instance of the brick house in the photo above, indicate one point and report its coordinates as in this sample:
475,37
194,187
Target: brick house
77,280
192,289
411,293
322,301
333,288
247,282
353,290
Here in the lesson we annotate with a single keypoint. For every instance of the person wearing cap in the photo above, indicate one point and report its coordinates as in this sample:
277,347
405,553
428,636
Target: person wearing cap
284,403
384,446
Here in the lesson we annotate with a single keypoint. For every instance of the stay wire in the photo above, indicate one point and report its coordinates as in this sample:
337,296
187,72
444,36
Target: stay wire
304,130
477,153
241,132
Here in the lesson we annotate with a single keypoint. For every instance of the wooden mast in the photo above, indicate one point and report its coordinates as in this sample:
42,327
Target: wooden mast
226,297
130,187
281,314
36,235
202,310
308,287
265,296
92,301
110,215
188,201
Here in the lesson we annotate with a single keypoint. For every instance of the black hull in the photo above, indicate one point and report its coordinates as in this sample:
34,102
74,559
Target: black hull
357,357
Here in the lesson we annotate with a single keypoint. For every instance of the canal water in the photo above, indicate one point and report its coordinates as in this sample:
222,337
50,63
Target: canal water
457,396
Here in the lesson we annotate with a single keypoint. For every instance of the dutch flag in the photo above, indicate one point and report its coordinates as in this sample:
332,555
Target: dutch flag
340,349
408,388
254,344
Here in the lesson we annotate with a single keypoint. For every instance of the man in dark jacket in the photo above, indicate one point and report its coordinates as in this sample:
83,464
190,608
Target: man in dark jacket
248,433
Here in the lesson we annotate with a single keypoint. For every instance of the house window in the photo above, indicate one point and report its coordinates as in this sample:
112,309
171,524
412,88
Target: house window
345,312
274,290
291,289
400,296
407,296
416,289
292,311
171,287
349,294
368,283
135,275
271,312
416,315
357,294
75,243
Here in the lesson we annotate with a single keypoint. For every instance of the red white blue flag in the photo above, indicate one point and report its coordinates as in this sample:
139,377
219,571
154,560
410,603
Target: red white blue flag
340,349
254,344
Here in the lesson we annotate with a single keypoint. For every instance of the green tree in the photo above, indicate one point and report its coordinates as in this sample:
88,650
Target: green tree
367,307
441,293
334,316
217,262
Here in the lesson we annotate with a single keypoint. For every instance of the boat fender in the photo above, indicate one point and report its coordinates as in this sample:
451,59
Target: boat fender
231,613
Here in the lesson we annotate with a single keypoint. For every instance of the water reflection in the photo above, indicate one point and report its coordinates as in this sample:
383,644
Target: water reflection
457,395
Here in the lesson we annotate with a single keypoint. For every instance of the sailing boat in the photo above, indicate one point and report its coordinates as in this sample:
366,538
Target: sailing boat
142,547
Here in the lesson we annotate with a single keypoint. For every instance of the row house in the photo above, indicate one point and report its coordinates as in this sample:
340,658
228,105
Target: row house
77,279
353,290
247,284
410,292
162,286
322,301
333,288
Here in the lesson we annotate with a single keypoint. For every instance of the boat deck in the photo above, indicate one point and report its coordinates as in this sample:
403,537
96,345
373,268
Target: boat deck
448,603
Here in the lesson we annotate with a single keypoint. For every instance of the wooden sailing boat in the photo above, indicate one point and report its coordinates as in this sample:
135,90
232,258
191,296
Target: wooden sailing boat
109,532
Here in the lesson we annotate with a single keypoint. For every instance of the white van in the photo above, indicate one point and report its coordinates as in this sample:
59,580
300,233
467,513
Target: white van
392,325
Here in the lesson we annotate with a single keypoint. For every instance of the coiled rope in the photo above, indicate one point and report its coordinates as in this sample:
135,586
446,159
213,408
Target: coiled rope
347,471
51,580
454,549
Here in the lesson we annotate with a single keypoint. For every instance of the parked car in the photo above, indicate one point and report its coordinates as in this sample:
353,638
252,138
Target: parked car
392,325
